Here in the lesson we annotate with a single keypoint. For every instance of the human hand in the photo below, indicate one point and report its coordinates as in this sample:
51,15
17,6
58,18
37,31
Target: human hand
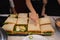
13,10
43,14
45,2
34,17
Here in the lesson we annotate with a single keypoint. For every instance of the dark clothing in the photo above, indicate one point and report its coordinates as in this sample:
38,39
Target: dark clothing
37,4
20,6
4,7
53,8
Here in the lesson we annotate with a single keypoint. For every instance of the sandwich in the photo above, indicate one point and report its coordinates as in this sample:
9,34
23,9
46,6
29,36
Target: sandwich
11,20
47,30
33,29
20,29
31,21
44,20
13,15
22,21
8,27
23,15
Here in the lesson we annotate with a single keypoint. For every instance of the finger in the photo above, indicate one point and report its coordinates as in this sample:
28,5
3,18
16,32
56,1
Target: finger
37,22
45,15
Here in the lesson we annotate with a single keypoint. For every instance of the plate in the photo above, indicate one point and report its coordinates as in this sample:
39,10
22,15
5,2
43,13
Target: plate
34,37
3,35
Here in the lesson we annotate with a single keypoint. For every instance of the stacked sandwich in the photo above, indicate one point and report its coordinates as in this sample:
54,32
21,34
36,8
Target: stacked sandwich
22,22
32,28
9,24
9,28
46,27
16,24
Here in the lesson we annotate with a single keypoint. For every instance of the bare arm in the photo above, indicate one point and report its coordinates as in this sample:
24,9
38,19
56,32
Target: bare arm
43,9
44,2
12,6
13,10
30,6
33,15
58,1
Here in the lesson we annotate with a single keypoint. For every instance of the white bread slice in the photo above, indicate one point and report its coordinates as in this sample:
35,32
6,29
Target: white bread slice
31,21
45,20
11,20
8,27
22,21
32,27
47,28
13,15
23,15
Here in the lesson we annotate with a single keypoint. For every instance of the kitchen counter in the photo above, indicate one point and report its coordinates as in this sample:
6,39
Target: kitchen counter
55,36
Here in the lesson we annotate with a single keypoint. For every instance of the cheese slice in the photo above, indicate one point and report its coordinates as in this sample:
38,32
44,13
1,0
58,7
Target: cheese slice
17,28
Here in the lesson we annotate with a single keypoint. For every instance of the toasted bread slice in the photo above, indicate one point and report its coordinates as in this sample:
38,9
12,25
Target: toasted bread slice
31,21
32,28
8,27
47,29
45,20
22,21
23,15
11,20
13,15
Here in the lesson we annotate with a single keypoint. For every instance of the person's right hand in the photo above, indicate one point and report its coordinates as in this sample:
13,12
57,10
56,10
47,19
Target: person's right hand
34,17
45,2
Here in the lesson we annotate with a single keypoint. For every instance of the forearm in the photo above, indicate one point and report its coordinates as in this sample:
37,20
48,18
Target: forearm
30,6
58,1
11,3
45,2
12,6
43,9
13,10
